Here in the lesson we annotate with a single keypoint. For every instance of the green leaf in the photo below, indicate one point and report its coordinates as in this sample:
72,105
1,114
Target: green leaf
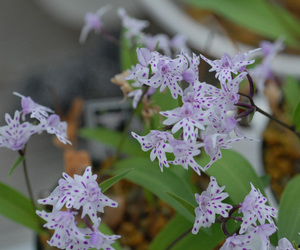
17,207
176,226
257,15
16,164
148,175
266,180
112,139
296,117
188,206
127,53
207,238
235,172
105,185
289,212
291,91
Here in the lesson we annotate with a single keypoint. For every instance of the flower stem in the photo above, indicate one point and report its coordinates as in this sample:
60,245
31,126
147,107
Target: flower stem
29,189
173,243
87,222
251,85
271,117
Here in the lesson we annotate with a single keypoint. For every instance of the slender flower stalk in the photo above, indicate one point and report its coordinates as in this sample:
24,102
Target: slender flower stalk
271,117
173,243
29,189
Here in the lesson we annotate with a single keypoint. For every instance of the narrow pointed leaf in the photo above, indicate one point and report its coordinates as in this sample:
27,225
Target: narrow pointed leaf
187,205
127,53
207,238
148,175
289,212
111,181
296,117
112,139
15,165
291,91
17,207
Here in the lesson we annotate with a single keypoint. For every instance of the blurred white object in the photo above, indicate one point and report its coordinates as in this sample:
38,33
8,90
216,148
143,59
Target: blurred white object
72,12
173,19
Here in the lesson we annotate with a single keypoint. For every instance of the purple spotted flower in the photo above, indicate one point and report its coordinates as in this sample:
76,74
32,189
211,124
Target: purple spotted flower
99,240
133,27
81,192
213,142
191,74
254,208
15,134
53,125
34,109
227,65
188,117
284,244
210,204
75,198
93,22
184,152
255,238
140,72
158,142
167,72
259,236
66,235
237,242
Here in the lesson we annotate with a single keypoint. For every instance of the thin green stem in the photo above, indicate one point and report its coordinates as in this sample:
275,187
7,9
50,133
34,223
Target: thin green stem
29,189
173,243
271,117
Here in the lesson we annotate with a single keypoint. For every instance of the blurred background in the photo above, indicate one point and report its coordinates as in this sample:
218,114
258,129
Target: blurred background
41,57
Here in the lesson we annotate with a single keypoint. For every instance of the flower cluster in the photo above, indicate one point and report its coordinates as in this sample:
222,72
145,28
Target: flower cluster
253,208
17,132
207,117
252,235
72,197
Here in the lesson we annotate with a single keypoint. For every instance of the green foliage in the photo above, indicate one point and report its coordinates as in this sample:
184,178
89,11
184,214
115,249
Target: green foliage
128,55
18,208
105,185
15,165
259,16
188,206
291,91
207,238
289,212
148,175
296,117
235,172
111,138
